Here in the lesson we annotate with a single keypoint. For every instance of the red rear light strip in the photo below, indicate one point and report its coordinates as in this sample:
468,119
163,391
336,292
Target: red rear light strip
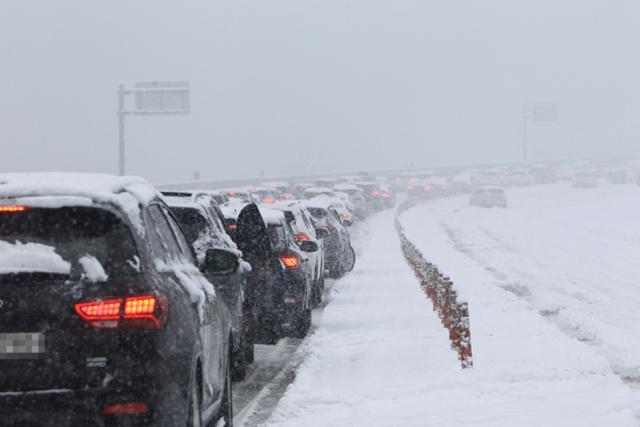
14,209
107,314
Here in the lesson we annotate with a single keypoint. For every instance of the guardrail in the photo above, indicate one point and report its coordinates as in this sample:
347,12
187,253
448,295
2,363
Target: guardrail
452,310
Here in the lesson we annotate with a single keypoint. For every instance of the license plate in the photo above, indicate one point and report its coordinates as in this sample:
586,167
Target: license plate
290,300
24,345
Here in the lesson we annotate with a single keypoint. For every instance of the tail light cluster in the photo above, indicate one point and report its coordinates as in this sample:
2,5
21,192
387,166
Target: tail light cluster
302,237
134,312
13,209
290,262
375,193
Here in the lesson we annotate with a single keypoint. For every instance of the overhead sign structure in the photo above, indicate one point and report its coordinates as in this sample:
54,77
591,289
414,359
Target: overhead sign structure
151,98
161,97
542,112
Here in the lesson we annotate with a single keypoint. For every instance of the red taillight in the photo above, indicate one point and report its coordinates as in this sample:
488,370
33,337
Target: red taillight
232,226
291,262
427,187
344,215
231,193
386,195
13,209
100,314
268,201
126,408
143,312
302,236
375,193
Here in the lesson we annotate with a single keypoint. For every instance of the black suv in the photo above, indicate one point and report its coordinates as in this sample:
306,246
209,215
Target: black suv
279,285
105,317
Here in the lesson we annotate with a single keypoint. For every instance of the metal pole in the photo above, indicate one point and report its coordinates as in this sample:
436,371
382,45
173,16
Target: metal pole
524,134
121,114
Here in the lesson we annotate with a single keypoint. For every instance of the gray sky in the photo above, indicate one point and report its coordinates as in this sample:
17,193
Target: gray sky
294,86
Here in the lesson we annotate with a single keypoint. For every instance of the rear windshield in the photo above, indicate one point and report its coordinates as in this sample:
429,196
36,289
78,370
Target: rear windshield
192,222
317,212
277,237
71,233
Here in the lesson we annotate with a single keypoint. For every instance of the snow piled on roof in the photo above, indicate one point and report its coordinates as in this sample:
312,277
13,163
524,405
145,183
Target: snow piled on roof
31,258
127,192
271,216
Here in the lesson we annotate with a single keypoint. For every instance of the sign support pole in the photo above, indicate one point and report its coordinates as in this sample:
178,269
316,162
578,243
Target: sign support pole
121,114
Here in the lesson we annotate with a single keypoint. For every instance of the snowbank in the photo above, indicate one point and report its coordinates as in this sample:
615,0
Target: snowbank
379,355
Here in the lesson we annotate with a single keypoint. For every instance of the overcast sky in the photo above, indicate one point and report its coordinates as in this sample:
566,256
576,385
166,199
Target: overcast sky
295,86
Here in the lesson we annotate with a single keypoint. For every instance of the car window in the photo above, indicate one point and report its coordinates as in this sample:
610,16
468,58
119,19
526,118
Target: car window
183,246
73,233
277,237
163,242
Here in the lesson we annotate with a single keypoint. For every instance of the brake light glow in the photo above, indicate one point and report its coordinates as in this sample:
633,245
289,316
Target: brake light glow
375,193
139,305
344,215
427,187
13,209
231,193
302,236
386,195
137,312
291,262
99,310
232,226
126,408
268,201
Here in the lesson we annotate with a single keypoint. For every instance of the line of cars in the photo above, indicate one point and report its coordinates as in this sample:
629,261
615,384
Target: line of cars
486,186
120,305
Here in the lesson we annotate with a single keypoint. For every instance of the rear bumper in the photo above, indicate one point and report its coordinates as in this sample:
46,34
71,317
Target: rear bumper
69,408
164,394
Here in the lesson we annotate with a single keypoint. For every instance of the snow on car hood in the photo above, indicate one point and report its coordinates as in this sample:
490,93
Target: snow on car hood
31,258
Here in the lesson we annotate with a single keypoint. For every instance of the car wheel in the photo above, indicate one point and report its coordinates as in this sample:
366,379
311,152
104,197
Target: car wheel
195,411
302,323
239,363
225,413
316,294
351,259
248,349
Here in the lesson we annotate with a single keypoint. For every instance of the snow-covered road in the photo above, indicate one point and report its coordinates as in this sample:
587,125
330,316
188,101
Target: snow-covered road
551,284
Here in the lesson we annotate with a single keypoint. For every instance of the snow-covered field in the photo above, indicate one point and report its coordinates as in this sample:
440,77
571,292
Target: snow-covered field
552,284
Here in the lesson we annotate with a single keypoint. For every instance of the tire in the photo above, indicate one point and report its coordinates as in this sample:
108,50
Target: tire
351,259
226,409
239,364
302,323
195,408
248,349
316,294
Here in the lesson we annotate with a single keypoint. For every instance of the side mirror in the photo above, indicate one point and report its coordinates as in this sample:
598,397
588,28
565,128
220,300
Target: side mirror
219,261
308,246
321,233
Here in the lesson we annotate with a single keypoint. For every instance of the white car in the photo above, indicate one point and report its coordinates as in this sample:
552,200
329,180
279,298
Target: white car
488,197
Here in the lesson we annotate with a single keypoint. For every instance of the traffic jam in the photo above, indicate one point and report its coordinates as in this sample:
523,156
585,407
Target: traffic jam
124,305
